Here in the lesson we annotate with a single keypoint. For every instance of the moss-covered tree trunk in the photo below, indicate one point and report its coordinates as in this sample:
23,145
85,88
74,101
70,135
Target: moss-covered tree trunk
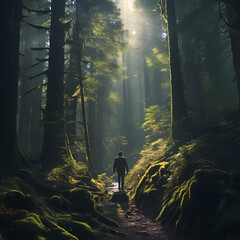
55,144
10,36
180,120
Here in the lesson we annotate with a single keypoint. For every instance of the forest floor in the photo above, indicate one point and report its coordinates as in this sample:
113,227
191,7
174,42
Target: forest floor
134,224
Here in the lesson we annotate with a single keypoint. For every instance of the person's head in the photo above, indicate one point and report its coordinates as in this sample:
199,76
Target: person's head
120,153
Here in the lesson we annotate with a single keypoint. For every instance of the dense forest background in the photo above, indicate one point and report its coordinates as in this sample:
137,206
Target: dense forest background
112,87
82,80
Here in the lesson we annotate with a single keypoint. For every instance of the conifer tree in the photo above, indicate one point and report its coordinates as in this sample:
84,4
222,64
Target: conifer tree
10,37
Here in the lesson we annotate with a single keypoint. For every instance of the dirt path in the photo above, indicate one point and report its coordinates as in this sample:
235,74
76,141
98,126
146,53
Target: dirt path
134,225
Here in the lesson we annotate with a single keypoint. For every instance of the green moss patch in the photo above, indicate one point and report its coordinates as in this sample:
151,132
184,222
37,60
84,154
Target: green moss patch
82,201
30,224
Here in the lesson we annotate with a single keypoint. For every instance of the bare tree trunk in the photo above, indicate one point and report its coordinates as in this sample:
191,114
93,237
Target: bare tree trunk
85,127
99,128
24,128
180,120
71,86
233,20
11,17
92,125
36,136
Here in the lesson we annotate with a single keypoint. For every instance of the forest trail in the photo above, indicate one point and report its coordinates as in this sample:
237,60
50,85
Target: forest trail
134,225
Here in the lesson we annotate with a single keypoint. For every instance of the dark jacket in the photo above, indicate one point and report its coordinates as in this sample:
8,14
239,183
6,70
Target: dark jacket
120,164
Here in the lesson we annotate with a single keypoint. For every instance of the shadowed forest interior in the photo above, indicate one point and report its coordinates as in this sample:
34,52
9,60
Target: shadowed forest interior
82,80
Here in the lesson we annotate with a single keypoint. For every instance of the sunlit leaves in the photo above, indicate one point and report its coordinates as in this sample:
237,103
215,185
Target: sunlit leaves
77,92
113,97
157,120
158,60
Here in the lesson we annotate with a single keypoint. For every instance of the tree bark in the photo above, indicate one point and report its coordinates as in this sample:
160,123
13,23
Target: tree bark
233,20
55,144
85,126
25,115
180,120
92,125
99,128
71,86
11,17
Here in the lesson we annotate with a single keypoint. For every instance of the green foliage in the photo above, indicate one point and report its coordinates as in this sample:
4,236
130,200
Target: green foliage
197,194
67,171
150,155
158,60
104,180
157,121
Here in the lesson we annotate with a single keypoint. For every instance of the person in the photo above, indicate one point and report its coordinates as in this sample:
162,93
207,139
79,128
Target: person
120,164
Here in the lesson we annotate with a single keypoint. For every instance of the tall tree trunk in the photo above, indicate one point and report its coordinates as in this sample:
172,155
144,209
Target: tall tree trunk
36,99
25,115
11,17
180,120
55,145
140,79
192,72
36,128
233,20
71,86
85,126
92,125
99,128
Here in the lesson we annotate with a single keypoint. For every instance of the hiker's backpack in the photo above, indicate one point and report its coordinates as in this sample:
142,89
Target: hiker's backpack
120,163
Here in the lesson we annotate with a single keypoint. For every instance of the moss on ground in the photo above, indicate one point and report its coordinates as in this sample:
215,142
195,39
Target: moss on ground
35,211
198,193
82,200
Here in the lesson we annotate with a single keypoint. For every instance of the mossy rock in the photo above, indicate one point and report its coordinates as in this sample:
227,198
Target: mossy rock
82,201
27,228
87,218
31,224
77,228
15,199
119,197
60,234
192,206
55,232
60,202
40,238
81,230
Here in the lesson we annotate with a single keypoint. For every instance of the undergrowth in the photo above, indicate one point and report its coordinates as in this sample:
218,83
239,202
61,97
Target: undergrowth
197,193
63,204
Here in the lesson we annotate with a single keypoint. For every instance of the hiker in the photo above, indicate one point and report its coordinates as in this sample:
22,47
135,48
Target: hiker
120,164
